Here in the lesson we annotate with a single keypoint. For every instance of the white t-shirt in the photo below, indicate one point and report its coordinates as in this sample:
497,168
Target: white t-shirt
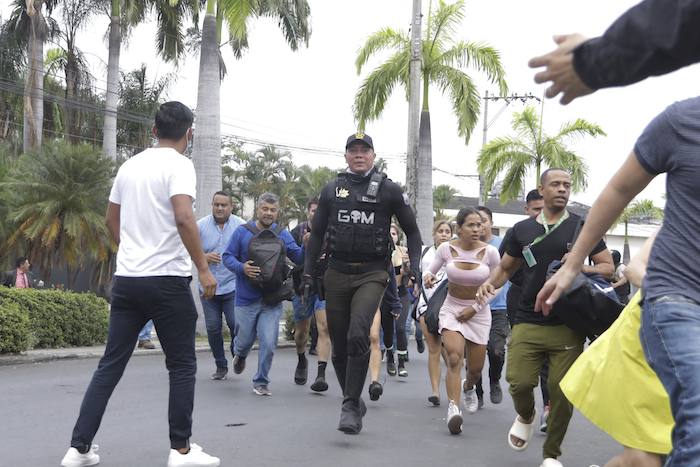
149,243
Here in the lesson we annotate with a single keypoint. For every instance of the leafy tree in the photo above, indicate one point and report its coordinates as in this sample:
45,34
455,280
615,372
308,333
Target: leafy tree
443,58
56,197
292,17
139,101
637,209
529,149
12,69
443,196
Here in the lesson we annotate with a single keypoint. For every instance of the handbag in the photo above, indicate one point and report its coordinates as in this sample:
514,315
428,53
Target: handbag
432,313
590,305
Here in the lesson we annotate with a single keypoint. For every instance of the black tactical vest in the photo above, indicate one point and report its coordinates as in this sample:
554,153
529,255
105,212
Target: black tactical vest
358,229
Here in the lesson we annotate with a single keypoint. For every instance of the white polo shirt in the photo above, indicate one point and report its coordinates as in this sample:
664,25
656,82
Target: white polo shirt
150,244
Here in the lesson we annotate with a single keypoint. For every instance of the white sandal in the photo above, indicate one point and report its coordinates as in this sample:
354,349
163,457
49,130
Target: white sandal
521,431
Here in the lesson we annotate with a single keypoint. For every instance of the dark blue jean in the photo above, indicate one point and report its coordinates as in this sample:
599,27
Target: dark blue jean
214,309
167,300
670,336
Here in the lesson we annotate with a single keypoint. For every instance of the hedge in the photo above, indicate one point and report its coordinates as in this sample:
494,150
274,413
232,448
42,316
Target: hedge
50,318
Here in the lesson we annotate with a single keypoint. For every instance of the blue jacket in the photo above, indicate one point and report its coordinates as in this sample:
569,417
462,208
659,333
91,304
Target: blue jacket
235,257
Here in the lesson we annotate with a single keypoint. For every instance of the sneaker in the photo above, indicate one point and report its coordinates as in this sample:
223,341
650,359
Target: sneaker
238,364
262,390
543,419
195,457
147,344
221,372
454,419
74,458
390,365
471,400
421,345
375,390
496,393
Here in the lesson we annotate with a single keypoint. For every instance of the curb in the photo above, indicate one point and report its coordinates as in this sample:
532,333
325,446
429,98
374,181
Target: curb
74,353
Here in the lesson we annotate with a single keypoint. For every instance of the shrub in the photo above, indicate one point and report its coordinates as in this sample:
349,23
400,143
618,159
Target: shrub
59,318
290,326
14,329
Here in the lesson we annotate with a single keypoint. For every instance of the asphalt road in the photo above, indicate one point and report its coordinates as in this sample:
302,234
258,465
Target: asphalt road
39,404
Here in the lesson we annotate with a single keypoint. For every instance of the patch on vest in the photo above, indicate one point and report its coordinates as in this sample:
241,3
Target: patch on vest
341,192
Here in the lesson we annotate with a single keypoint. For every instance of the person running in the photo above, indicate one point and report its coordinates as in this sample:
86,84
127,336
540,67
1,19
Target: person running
395,318
463,322
442,232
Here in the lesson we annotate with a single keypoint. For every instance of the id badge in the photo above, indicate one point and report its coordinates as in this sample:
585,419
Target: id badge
529,257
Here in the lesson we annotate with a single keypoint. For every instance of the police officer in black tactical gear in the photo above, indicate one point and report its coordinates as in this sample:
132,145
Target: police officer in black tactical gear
356,209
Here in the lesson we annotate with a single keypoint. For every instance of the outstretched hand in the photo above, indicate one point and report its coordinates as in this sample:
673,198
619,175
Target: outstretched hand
555,286
560,69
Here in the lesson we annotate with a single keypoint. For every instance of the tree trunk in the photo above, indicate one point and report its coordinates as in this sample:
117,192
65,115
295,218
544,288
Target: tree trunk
109,142
207,146
424,202
34,86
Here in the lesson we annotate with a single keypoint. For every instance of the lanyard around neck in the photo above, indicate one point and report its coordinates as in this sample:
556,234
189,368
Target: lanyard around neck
547,230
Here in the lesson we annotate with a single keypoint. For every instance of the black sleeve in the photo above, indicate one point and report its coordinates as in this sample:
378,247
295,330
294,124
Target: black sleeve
650,39
504,243
318,229
404,214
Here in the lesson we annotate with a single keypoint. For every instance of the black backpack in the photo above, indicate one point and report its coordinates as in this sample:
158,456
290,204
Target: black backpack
269,253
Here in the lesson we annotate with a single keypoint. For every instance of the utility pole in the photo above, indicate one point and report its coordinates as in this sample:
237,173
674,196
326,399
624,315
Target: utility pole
487,124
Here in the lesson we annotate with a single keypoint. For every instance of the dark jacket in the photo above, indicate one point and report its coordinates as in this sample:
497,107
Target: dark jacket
10,279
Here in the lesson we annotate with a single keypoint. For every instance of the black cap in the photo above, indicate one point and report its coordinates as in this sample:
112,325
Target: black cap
360,137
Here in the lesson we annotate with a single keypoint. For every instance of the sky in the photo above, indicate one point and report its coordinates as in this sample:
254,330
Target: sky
304,99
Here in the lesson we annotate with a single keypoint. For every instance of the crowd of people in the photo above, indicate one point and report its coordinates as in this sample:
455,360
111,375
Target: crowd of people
353,276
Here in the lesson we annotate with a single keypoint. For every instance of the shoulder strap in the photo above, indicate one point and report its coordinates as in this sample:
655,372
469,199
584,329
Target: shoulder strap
576,233
302,230
252,228
425,250
277,230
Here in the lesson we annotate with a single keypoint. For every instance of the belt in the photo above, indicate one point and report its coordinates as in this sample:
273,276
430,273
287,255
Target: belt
356,268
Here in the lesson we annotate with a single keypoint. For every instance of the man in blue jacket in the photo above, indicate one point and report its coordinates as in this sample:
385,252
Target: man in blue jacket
253,315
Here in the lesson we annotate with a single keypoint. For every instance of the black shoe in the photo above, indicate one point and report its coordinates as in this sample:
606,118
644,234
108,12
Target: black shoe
496,393
354,407
320,384
221,372
402,371
313,351
302,371
421,346
390,365
375,390
481,399
238,364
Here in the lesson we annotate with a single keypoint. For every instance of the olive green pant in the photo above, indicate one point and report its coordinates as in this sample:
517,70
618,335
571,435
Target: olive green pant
528,346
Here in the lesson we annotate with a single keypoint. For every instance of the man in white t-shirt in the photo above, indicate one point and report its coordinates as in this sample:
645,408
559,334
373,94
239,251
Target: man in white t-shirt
150,217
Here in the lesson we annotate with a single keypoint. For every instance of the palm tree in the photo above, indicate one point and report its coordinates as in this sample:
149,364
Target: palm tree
637,209
293,19
134,12
30,24
12,69
56,198
531,148
443,58
139,101
443,196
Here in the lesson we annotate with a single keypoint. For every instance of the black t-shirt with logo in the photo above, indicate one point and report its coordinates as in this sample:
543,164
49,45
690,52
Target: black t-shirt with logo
551,248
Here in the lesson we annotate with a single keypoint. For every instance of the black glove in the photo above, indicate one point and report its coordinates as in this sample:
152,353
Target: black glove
414,274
